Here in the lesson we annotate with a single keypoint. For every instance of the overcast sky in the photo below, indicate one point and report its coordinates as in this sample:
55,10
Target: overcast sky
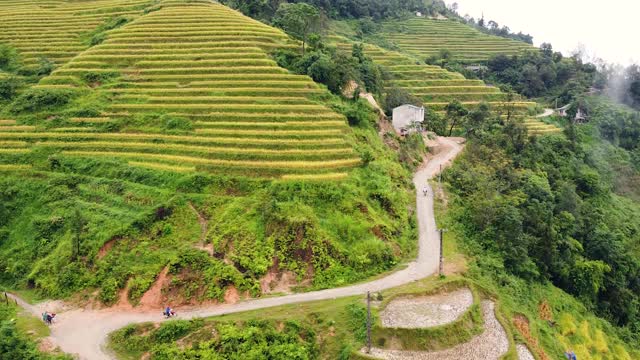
609,29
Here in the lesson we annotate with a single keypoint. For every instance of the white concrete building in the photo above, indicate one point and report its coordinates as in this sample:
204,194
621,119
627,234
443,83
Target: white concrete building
407,118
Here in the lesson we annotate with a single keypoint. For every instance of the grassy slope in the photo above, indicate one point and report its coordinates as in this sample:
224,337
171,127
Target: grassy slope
137,220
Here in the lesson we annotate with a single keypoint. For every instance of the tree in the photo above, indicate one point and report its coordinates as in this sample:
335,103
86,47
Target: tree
396,96
298,20
9,87
547,49
455,113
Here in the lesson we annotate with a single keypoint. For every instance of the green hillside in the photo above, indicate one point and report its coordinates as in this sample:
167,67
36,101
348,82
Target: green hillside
175,143
425,38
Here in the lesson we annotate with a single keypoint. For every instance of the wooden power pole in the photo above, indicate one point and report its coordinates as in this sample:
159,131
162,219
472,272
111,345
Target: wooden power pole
441,268
368,322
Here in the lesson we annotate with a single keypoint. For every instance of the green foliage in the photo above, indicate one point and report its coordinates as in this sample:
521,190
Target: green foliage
367,26
344,9
542,209
173,330
298,20
253,339
396,96
98,35
358,321
9,86
334,69
537,73
9,60
34,100
358,113
16,345
94,79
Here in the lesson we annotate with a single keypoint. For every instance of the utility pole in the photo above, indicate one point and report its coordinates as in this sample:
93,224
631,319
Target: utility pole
441,268
368,322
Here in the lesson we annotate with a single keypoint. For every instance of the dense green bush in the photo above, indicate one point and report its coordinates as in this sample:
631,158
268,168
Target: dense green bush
9,59
253,339
543,209
34,100
9,87
336,70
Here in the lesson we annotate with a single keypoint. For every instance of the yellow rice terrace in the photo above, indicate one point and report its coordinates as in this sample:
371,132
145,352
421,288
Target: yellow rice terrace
427,37
204,70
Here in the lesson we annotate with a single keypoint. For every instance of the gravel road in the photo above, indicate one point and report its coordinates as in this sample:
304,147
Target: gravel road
524,353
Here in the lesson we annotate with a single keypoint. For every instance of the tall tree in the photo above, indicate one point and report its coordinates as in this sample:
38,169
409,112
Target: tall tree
455,113
298,20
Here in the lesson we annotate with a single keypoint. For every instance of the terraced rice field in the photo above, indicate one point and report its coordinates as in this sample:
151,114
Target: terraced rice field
436,87
425,38
56,29
208,64
535,126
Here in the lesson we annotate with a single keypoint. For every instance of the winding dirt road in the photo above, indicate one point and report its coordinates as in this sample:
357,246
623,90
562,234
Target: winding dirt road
84,332
546,113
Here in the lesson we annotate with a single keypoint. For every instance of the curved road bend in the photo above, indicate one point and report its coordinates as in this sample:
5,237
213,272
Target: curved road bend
84,332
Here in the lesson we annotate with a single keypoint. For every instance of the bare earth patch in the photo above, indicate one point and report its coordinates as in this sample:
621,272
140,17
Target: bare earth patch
153,299
104,250
426,311
46,345
490,345
524,353
275,282
231,296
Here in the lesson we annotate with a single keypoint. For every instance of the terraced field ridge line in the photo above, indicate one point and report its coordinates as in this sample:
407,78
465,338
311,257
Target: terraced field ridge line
84,332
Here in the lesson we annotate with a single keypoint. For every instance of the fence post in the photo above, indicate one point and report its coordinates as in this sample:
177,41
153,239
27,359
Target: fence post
368,322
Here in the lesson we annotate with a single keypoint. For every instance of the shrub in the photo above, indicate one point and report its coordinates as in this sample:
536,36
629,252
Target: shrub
170,122
109,292
172,331
395,97
9,87
41,99
94,78
9,60
358,113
